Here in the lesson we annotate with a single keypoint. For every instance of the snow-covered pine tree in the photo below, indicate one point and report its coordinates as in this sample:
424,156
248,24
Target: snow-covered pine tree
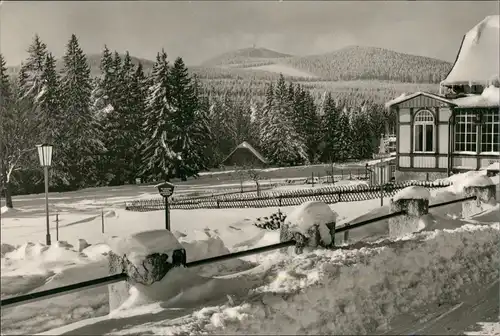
49,104
291,95
222,126
158,154
361,134
343,137
103,94
267,111
329,130
30,74
242,124
120,121
283,144
5,89
187,132
282,99
201,134
306,121
82,143
255,123
138,95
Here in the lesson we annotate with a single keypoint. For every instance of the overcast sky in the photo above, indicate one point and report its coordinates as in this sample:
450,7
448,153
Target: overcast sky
199,30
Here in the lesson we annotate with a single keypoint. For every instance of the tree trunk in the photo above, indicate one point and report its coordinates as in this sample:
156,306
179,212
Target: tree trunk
8,195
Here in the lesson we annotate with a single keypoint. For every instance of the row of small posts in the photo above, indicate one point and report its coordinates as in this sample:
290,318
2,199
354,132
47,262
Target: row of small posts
408,207
57,224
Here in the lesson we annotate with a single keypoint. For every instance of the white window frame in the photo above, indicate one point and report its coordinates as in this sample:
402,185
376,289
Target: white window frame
487,129
423,118
465,118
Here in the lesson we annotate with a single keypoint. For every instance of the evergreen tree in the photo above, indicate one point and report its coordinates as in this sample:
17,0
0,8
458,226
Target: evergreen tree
343,140
138,96
306,121
201,134
330,130
49,103
361,136
159,156
267,111
30,74
120,122
82,144
104,96
186,134
223,127
282,144
5,89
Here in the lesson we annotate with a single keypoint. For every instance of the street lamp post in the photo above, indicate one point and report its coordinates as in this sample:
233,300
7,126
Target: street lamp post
45,156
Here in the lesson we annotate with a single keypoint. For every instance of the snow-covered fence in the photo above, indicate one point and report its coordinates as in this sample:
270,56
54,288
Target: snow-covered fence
327,195
124,276
224,192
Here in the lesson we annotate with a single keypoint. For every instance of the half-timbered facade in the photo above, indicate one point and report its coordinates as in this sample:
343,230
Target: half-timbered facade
441,134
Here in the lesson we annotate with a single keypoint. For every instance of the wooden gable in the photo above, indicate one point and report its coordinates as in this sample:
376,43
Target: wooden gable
422,101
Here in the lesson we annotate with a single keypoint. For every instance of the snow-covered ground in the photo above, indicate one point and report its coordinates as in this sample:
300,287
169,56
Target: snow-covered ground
284,69
407,285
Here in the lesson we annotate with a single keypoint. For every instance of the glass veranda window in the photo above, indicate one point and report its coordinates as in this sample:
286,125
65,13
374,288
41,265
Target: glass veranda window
490,131
465,132
423,130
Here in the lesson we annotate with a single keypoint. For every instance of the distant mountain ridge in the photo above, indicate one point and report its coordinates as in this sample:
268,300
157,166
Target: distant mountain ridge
346,64
349,63
245,56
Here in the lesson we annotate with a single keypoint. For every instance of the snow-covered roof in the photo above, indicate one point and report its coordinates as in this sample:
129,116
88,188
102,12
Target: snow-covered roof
489,98
405,97
246,145
380,161
477,61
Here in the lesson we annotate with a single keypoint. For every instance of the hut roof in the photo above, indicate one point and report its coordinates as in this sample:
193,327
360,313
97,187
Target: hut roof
246,145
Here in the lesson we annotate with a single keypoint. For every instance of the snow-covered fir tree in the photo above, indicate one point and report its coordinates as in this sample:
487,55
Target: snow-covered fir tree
361,135
282,144
158,154
5,89
223,127
81,145
306,121
330,130
138,96
343,137
199,129
30,74
49,103
184,106
119,121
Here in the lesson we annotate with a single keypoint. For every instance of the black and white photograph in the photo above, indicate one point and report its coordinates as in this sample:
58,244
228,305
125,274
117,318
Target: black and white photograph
246,167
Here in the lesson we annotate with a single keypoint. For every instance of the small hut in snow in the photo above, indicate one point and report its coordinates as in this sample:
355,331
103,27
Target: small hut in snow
244,155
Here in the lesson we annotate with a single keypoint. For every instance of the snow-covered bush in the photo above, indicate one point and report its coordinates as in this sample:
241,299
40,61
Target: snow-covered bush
310,224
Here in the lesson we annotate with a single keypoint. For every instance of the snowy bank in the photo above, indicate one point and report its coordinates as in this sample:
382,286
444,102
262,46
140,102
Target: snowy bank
352,291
